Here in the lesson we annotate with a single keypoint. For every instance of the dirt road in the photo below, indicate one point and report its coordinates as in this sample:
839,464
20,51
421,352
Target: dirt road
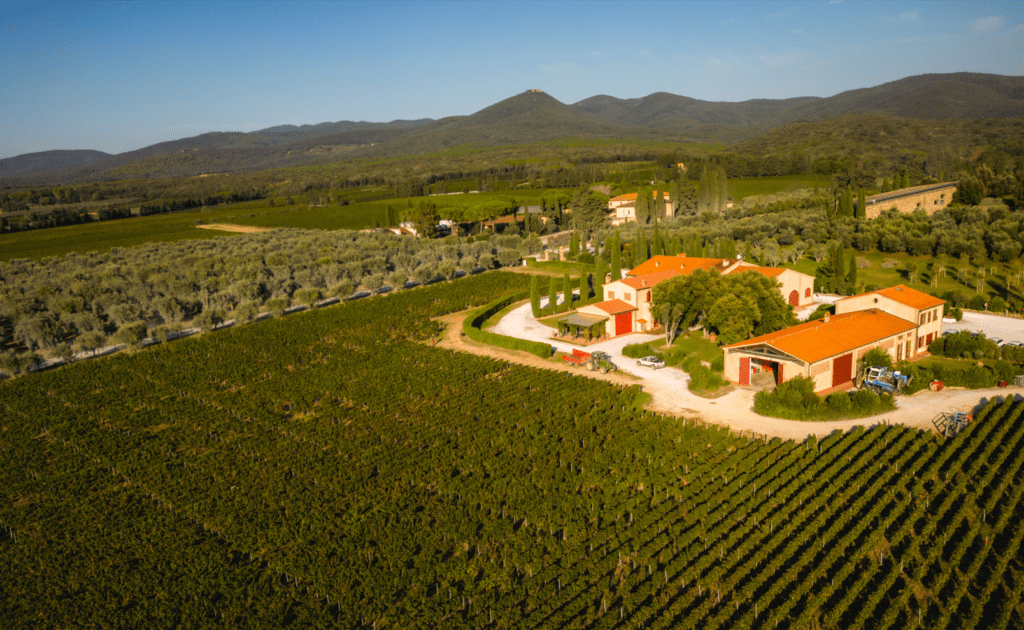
669,390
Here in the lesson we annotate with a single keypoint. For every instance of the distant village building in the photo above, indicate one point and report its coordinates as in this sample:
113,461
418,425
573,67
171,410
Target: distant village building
931,198
623,207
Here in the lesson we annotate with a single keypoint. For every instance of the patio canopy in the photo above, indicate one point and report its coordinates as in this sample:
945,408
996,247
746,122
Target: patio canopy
582,319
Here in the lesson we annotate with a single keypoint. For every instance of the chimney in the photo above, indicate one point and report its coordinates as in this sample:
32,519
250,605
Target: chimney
827,317
656,263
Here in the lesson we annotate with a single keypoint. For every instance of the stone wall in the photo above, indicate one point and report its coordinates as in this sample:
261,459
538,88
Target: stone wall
930,200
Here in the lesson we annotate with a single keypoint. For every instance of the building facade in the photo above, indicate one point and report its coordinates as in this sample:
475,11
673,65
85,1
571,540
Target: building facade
623,208
900,320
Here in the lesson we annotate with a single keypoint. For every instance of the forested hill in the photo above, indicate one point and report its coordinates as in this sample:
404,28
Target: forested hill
536,116
47,161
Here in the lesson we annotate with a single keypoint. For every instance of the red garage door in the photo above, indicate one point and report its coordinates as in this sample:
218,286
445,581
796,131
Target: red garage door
794,298
623,323
744,370
842,370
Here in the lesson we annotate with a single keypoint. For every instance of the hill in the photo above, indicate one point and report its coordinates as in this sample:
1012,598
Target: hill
47,161
536,116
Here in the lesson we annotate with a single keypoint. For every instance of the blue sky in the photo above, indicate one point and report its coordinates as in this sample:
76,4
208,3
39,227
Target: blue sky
119,76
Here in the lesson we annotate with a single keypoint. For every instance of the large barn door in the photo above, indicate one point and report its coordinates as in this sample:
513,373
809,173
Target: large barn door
794,298
842,370
623,323
744,370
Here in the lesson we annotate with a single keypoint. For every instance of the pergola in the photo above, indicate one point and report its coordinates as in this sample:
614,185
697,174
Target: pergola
583,325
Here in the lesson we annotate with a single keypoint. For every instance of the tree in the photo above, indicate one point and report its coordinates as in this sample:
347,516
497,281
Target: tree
659,205
642,206
906,179
599,277
704,191
535,296
862,205
733,317
91,341
616,261
657,248
566,293
588,209
723,190
851,277
584,289
131,334
886,186
425,218
552,294
574,245
876,357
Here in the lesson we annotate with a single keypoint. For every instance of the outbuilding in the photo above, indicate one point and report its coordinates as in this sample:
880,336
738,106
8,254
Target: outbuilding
619,316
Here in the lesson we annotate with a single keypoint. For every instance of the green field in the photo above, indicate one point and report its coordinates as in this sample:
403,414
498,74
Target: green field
329,469
741,187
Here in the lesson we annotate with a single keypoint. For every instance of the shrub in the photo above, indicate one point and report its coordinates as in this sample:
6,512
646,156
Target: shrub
839,402
865,401
637,350
718,364
877,357
471,327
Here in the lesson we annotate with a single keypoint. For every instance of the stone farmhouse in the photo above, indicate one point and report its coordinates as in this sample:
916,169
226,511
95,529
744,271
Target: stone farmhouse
900,320
623,208
627,304
931,198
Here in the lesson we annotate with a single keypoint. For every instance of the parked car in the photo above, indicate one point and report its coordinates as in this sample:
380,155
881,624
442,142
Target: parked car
996,340
949,332
651,362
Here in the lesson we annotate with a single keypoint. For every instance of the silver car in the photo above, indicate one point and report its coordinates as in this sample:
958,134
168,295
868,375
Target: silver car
651,362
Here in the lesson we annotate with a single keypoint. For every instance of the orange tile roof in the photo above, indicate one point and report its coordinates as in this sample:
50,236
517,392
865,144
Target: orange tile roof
632,196
649,280
771,272
817,340
613,307
682,264
905,295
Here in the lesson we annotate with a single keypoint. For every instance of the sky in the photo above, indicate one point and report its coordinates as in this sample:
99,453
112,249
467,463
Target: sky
118,76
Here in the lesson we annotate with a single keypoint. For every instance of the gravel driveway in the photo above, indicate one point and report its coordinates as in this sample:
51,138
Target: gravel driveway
668,387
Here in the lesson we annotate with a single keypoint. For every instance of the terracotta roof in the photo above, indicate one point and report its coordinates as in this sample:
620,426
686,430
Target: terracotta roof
905,295
632,196
682,264
613,307
649,280
771,272
817,340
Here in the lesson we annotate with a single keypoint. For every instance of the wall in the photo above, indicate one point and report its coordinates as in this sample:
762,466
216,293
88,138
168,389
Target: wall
931,201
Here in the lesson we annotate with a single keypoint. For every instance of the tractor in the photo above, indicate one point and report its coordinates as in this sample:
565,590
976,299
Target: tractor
591,360
884,381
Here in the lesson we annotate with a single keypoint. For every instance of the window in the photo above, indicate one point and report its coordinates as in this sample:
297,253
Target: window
611,295
648,296
920,342
627,296
922,321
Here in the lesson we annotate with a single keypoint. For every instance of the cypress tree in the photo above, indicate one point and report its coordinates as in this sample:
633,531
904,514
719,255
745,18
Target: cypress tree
906,179
659,205
848,203
851,276
886,186
584,288
599,277
552,294
862,204
566,292
840,271
673,199
723,190
616,258
535,296
574,244
640,253
748,252
656,248
896,180
713,190
704,192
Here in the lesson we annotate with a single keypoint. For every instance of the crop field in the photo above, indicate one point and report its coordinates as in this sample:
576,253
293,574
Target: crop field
327,469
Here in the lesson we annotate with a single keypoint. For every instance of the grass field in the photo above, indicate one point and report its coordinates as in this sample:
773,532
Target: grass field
741,187
876,275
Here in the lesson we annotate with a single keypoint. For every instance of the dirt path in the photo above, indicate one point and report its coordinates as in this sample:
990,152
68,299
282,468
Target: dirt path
229,227
670,393
454,339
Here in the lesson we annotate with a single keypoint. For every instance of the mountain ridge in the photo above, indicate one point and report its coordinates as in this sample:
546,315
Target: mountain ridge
530,117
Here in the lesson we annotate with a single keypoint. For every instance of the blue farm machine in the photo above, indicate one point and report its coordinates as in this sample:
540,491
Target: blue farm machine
884,381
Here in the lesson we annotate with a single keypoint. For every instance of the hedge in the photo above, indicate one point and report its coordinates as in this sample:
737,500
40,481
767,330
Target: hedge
471,327
795,400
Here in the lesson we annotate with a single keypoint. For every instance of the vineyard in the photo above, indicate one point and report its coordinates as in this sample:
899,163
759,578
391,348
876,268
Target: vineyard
330,469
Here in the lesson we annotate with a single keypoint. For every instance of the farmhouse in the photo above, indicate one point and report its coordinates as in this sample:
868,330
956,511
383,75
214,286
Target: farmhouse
796,288
899,320
634,291
623,207
931,198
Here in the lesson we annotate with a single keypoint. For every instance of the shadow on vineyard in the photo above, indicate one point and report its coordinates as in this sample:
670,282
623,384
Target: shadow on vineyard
329,469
